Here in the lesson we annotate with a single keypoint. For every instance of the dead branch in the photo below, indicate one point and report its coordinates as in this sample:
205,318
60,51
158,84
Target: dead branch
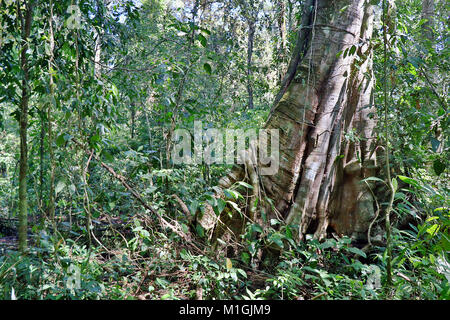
176,228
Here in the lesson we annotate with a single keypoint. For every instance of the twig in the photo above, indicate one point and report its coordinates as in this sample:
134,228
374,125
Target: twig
319,295
401,275
444,105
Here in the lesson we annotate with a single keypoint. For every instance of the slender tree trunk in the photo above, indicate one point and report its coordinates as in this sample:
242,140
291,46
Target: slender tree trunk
98,55
51,201
101,6
41,158
2,126
282,24
133,119
281,19
3,170
387,137
330,96
428,12
290,14
182,85
25,23
250,42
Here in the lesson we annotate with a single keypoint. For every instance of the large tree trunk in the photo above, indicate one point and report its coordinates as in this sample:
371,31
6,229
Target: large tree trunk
325,127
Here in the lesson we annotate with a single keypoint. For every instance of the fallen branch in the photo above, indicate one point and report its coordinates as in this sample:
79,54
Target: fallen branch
319,295
175,228
120,178
183,207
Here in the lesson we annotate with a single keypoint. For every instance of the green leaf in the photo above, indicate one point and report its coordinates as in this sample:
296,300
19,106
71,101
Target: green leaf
344,8
229,264
60,186
162,282
193,207
202,40
245,184
257,228
221,204
200,230
435,144
274,222
357,251
330,243
395,184
409,181
289,234
438,167
60,141
72,189
207,68
433,229
275,238
245,257
235,206
184,254
108,157
114,90
373,179
205,31
415,61
345,53
231,194
95,138
242,272
95,214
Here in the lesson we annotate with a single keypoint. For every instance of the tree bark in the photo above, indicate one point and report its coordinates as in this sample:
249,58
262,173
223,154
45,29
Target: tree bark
183,82
281,19
51,200
41,157
25,23
133,119
428,12
325,127
251,37
251,16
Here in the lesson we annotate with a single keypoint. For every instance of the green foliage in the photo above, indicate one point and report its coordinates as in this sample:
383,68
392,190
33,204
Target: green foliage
421,251
162,67
59,271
